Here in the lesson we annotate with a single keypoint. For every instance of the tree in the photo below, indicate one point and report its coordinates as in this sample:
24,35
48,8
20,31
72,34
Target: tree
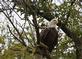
68,14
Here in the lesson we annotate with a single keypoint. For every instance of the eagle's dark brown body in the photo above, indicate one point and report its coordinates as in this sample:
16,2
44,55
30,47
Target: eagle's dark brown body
49,37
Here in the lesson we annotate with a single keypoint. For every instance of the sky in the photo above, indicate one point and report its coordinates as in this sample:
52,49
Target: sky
58,2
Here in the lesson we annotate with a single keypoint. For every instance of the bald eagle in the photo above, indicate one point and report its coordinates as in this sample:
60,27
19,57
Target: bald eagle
49,35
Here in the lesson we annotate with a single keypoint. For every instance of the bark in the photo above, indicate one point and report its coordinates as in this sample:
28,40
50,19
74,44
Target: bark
37,56
79,49
42,53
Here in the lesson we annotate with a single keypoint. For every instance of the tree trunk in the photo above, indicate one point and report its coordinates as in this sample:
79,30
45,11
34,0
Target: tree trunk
42,53
79,49
37,56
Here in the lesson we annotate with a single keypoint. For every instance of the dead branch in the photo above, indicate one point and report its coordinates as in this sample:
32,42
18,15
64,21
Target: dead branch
14,35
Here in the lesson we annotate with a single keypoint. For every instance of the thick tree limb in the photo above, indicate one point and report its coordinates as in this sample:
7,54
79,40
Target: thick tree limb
36,28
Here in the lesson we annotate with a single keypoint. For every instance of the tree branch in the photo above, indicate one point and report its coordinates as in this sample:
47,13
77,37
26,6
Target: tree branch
14,35
36,28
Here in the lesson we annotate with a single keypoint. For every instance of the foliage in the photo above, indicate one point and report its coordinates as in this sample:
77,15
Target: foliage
1,39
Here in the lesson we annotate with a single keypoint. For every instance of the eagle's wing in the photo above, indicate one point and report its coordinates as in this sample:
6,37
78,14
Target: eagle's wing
49,37
44,33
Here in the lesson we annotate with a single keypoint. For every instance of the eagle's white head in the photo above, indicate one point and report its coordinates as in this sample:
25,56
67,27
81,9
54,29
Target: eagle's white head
53,22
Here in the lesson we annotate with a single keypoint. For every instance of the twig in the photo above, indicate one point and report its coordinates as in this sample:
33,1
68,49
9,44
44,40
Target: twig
14,35
33,37
26,36
68,13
